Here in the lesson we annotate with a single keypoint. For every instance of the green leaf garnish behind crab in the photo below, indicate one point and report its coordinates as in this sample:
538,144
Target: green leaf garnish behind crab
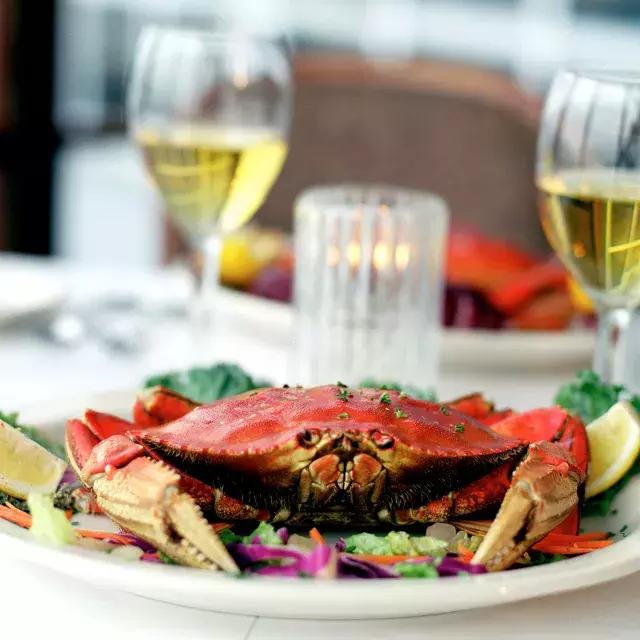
414,392
207,384
589,397
33,434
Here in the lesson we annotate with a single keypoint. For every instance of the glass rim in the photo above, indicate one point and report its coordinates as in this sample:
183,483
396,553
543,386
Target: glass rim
316,196
604,75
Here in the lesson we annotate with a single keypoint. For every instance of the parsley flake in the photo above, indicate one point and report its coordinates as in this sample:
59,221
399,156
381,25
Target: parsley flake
343,416
401,414
459,427
341,384
445,411
385,398
343,394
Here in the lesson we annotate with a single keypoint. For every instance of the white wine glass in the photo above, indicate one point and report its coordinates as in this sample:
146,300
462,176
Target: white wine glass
588,175
211,113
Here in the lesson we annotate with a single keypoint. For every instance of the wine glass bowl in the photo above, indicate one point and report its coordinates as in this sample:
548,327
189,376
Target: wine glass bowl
589,182
210,112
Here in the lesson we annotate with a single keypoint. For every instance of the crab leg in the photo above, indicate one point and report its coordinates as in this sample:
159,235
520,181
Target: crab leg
543,492
158,405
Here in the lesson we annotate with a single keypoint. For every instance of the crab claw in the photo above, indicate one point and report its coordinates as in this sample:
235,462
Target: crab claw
543,492
144,497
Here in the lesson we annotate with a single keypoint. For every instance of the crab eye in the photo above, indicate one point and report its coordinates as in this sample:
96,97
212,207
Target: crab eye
309,437
381,440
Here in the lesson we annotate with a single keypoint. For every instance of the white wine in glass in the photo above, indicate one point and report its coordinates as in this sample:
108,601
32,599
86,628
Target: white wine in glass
212,179
211,114
588,174
592,220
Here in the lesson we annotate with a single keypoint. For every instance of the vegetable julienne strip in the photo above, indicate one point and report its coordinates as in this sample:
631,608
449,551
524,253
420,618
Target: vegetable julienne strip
15,516
466,555
565,537
368,557
316,536
575,548
24,520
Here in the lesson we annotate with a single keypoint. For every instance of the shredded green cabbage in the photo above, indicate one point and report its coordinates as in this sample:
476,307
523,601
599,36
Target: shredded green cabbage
396,543
49,525
416,570
266,533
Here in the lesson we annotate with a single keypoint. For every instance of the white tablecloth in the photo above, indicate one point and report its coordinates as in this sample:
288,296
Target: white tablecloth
38,603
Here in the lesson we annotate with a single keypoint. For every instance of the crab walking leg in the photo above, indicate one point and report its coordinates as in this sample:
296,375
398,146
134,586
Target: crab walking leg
144,497
543,492
157,405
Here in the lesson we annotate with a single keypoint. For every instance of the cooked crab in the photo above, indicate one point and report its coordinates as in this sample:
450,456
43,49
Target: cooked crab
330,454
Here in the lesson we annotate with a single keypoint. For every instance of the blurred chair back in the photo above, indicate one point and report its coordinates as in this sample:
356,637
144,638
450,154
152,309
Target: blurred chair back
464,133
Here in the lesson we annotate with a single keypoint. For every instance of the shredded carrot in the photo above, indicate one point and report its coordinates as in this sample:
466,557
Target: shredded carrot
220,526
573,548
16,516
581,537
316,536
13,507
103,535
381,559
466,555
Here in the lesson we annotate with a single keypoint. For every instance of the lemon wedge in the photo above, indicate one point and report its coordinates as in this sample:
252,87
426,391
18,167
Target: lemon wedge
25,467
614,444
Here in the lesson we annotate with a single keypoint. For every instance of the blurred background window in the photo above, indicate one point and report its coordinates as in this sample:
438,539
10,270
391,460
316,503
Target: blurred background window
450,90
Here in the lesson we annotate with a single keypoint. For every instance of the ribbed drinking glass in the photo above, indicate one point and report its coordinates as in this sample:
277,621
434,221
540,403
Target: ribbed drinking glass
368,284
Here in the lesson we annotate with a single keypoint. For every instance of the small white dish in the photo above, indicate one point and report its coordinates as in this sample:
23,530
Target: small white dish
461,348
313,599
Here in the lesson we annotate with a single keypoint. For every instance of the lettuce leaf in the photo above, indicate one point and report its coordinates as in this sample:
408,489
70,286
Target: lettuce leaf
589,397
207,384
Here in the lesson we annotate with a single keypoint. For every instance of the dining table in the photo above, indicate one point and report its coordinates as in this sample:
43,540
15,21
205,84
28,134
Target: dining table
112,326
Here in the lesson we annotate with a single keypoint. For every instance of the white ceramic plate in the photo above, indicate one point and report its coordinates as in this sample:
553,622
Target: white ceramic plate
26,293
304,598
461,348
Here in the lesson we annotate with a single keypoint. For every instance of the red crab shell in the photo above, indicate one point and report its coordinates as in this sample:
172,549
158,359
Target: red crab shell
330,452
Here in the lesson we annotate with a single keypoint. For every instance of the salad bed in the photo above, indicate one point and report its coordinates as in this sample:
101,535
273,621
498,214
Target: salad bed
442,550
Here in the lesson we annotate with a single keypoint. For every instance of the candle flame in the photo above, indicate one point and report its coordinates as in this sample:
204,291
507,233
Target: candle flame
383,255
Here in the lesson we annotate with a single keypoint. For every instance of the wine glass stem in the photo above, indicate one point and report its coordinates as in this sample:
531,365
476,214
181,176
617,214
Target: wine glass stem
204,307
611,359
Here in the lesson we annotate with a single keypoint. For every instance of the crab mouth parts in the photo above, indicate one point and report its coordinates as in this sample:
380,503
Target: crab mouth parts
343,474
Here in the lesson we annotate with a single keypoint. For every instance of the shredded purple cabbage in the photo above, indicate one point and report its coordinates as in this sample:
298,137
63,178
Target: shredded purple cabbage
69,477
138,542
283,534
340,545
450,566
282,561
352,567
